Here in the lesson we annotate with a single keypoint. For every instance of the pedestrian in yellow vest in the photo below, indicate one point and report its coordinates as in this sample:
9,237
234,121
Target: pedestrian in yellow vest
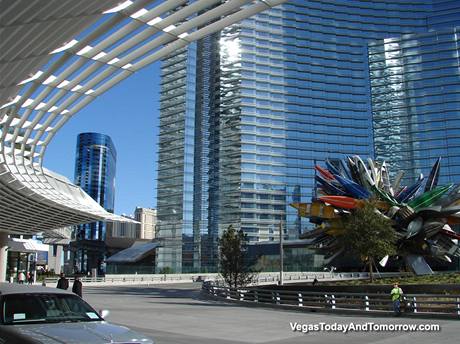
396,297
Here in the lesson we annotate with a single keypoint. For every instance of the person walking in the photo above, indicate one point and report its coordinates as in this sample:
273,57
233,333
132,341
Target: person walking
315,282
396,297
63,282
30,278
77,287
21,277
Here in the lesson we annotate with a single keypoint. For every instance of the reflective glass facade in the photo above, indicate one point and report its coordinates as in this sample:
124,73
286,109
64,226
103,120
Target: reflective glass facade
176,161
415,82
95,168
273,96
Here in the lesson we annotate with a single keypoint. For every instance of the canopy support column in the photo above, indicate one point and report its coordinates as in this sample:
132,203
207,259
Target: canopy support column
3,255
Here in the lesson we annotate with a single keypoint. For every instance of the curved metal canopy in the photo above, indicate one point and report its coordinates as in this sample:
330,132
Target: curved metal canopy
57,57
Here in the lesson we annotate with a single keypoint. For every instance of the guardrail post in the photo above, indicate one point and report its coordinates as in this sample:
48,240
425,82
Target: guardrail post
300,300
458,305
366,303
414,304
241,295
326,300
256,296
333,301
278,298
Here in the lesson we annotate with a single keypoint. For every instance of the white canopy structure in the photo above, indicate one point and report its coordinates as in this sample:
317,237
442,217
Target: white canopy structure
58,56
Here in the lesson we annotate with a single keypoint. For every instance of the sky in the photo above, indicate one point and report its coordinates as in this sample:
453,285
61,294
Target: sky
129,114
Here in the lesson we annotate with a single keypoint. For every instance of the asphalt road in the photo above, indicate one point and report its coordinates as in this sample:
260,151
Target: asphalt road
178,314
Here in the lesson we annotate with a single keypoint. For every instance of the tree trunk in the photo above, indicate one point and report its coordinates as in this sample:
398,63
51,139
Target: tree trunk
371,275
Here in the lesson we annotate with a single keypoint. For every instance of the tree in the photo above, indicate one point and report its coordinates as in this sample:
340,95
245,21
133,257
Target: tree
368,234
233,259
166,270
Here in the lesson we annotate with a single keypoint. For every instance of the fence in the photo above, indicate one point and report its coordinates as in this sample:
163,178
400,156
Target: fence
263,278
412,304
130,279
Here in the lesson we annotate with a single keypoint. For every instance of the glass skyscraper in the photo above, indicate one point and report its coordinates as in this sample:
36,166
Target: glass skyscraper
415,83
95,167
247,113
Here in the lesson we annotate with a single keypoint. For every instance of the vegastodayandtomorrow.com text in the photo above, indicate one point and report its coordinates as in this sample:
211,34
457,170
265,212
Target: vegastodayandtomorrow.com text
362,327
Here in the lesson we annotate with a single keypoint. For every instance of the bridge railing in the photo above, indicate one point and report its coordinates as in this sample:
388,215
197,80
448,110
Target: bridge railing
413,304
262,278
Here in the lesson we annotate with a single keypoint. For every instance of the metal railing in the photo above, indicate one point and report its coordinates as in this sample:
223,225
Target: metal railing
129,279
412,304
262,278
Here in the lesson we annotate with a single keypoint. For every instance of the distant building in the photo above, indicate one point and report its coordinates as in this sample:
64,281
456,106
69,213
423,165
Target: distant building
145,229
148,222
130,248
125,229
95,167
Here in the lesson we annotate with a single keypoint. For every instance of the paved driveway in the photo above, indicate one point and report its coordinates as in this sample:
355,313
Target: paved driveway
176,313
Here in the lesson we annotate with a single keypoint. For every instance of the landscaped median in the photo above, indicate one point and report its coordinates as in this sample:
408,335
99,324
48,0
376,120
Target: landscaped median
425,305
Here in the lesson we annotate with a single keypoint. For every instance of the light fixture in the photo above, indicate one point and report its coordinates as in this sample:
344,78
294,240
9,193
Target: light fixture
76,88
98,56
49,80
126,66
119,7
40,106
183,35
63,84
139,13
66,46
169,28
114,60
27,102
154,21
33,77
14,101
85,50
89,91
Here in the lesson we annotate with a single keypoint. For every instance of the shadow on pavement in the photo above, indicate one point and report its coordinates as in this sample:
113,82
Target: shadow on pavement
148,291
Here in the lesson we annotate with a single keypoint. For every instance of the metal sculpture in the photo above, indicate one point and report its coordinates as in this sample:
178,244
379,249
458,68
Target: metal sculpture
422,213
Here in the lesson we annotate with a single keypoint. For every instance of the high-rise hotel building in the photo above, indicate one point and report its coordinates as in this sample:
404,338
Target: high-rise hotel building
95,167
245,114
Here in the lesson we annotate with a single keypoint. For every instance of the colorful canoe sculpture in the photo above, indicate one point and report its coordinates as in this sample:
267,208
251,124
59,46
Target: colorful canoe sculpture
342,202
422,213
315,209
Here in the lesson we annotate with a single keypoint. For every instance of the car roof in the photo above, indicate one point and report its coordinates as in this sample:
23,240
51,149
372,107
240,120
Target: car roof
14,288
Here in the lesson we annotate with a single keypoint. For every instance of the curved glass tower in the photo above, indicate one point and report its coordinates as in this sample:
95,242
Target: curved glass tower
281,92
95,167
415,83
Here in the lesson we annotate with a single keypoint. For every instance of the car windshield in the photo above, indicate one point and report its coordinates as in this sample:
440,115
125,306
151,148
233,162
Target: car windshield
43,308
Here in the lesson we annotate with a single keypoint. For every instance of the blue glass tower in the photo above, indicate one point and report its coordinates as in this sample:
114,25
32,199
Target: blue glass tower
415,84
265,100
95,167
